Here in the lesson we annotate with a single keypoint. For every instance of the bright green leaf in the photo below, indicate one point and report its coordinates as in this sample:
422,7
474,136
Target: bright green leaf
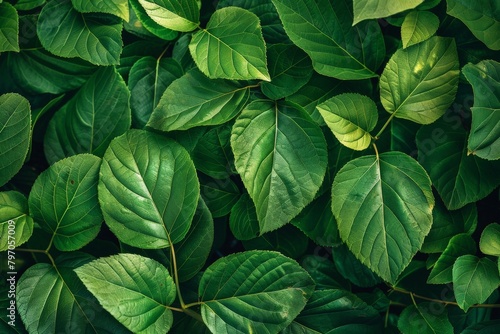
148,189
490,240
231,46
383,207
149,24
176,15
418,26
423,319
15,134
28,4
474,279
135,290
64,202
484,138
324,32
377,9
99,112
198,101
481,17
115,7
16,226
68,33
9,28
351,117
420,82
219,194
280,154
253,292
243,220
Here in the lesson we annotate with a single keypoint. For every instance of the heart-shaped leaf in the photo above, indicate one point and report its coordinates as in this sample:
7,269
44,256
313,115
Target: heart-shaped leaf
115,7
377,9
418,26
175,15
9,28
16,226
490,240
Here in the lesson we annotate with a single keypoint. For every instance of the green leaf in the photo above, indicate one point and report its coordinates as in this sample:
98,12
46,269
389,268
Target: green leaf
199,101
490,240
484,327
135,290
423,319
377,9
176,15
352,269
15,134
115,7
418,26
231,46
324,273
459,178
383,207
351,117
289,67
474,279
99,112
148,189
67,33
28,4
254,292
442,272
324,32
280,154
243,220
148,79
420,82
9,28
53,300
64,202
151,25
219,194
16,226
482,18
484,138
403,136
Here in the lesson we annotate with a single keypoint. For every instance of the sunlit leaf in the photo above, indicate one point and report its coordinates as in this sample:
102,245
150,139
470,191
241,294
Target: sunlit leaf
376,9
418,26
9,28
115,7
490,240
175,15
16,226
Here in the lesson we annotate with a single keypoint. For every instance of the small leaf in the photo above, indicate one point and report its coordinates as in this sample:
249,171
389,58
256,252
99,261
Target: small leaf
490,240
148,189
67,33
423,319
377,9
243,220
420,82
351,117
254,291
115,7
9,28
16,226
482,18
418,26
15,134
149,24
179,16
474,279
64,202
134,289
383,207
198,101
231,46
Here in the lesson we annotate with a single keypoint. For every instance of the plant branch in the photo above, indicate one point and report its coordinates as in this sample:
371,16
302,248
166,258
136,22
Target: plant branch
385,125
46,252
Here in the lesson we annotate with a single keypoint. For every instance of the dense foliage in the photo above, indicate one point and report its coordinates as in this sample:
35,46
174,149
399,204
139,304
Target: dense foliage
249,166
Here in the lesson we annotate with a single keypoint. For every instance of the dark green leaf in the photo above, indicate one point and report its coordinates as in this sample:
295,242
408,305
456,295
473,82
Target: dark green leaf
323,272
418,26
219,194
115,7
377,9
150,24
134,51
423,319
16,226
490,240
9,28
403,136
352,269
28,4
243,219
175,15
485,327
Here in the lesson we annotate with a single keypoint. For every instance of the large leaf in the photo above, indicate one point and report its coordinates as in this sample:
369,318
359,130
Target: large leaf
16,226
194,100
53,300
423,319
420,82
115,7
474,279
253,292
175,15
68,33
351,117
99,112
482,18
148,189
15,134
149,24
490,240
231,46
458,177
383,207
135,290
280,154
377,9
9,28
325,33
418,26
64,202
484,138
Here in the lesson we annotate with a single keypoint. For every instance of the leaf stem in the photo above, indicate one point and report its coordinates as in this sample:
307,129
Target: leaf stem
46,252
385,125
376,150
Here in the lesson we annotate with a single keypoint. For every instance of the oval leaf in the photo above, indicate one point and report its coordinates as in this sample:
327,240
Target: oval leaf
134,289
231,46
115,7
383,206
16,226
490,240
9,28
351,117
176,15
418,26
280,154
149,24
64,202
423,319
420,82
377,9
148,189
255,292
